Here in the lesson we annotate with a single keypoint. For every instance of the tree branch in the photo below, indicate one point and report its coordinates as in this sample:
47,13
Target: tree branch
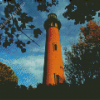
29,37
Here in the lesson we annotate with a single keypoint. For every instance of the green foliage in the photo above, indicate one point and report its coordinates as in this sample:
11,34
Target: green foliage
7,76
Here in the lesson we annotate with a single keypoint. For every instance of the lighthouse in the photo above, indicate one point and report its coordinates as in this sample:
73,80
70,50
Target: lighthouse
53,62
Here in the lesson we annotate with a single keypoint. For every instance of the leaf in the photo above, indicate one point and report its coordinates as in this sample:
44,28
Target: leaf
13,30
15,22
9,25
19,19
17,35
28,42
23,44
23,26
20,46
23,50
11,40
5,45
3,18
10,35
82,29
36,32
32,26
6,29
48,4
18,28
30,19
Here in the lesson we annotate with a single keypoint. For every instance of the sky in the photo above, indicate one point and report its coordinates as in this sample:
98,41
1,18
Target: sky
29,66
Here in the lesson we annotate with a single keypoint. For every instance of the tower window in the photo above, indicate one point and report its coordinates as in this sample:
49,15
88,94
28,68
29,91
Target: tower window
56,25
55,46
51,23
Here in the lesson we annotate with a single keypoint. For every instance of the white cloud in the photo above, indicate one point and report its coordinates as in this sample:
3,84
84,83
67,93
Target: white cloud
30,64
41,49
40,61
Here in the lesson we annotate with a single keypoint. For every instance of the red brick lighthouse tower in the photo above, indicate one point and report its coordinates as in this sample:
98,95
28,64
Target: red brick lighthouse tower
53,63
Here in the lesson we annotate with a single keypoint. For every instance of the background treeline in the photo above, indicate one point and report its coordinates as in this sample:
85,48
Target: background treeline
88,90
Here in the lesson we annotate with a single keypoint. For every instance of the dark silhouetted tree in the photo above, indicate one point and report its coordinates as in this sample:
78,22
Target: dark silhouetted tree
30,88
83,61
43,4
23,88
82,10
11,7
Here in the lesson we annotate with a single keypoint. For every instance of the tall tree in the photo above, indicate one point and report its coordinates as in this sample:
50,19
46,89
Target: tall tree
82,10
84,58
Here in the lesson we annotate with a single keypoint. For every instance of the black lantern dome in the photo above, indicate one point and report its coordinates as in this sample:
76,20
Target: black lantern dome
52,17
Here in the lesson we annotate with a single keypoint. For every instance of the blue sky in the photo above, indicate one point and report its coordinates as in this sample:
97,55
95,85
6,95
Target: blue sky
28,66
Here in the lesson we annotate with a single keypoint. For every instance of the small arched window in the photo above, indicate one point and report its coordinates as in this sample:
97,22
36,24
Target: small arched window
55,46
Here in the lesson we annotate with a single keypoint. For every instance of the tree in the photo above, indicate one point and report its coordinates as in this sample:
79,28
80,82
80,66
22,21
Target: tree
82,10
84,58
92,35
43,4
7,76
11,7
30,88
13,27
23,88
